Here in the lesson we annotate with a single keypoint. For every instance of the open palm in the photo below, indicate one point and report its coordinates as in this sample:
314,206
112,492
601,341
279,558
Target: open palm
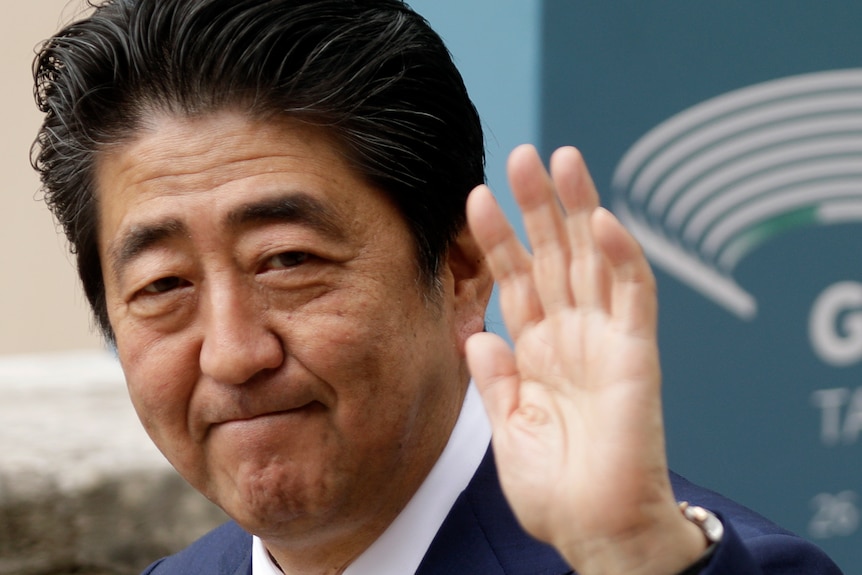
575,406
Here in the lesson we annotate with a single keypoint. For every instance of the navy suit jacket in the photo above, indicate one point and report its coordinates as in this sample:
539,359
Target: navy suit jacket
481,536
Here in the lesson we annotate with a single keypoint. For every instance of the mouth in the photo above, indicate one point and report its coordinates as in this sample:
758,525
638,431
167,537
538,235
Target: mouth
262,420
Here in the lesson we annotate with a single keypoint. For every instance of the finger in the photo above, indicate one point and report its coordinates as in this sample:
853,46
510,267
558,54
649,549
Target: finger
633,295
543,220
493,368
587,275
508,260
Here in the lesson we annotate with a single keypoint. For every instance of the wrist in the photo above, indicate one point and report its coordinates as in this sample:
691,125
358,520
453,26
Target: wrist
668,545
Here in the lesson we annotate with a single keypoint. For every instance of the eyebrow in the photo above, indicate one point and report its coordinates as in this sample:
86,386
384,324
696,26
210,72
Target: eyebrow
291,208
140,238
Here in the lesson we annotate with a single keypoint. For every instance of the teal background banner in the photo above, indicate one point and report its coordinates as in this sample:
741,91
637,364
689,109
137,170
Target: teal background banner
728,135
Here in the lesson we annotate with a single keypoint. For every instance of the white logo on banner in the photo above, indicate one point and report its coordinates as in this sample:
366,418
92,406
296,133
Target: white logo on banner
709,185
840,415
834,515
835,324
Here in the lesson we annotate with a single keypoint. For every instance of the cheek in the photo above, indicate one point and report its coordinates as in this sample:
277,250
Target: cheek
379,356
160,375
365,334
350,353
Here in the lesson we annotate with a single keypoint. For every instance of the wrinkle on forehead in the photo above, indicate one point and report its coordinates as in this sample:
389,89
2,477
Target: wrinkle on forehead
162,153
277,170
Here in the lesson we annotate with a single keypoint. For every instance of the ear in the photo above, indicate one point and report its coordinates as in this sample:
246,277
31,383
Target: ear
472,285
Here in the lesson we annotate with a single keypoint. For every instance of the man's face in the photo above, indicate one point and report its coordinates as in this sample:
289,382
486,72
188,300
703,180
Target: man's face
278,344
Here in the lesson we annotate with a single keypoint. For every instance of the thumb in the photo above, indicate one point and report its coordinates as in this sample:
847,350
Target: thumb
492,365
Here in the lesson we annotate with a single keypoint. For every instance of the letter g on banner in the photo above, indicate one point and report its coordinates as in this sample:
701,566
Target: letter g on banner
835,324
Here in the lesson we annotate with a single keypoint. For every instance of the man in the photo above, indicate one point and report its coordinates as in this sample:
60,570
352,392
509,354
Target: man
268,201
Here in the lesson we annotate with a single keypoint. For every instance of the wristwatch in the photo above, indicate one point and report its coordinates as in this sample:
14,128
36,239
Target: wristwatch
712,529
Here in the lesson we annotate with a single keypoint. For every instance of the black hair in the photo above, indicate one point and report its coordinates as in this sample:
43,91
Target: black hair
372,72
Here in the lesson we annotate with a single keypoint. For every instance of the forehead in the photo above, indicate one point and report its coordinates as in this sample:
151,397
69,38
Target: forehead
219,173
172,152
227,158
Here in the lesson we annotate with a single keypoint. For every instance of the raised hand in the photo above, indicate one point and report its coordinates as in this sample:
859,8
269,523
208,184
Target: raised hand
575,406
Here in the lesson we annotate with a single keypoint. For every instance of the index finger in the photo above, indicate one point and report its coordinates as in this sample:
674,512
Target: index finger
508,260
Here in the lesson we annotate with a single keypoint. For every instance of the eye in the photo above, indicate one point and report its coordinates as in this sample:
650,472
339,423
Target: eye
163,285
287,260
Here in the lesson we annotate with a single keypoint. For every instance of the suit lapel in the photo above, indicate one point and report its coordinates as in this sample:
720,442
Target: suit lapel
243,568
482,536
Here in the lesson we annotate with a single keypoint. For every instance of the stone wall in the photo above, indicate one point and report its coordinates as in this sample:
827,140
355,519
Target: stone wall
82,488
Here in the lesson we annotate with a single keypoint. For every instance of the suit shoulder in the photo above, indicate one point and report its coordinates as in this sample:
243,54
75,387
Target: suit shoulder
752,543
748,523
225,550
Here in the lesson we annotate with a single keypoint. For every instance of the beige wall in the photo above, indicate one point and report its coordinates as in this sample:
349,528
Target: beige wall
42,309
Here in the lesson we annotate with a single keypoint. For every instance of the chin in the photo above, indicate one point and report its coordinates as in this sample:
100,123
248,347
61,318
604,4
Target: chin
277,503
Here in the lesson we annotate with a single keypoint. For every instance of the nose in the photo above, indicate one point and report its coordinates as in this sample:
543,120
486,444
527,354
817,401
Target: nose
238,343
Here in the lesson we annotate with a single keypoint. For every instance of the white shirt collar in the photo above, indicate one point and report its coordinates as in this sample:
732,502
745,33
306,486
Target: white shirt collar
402,546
